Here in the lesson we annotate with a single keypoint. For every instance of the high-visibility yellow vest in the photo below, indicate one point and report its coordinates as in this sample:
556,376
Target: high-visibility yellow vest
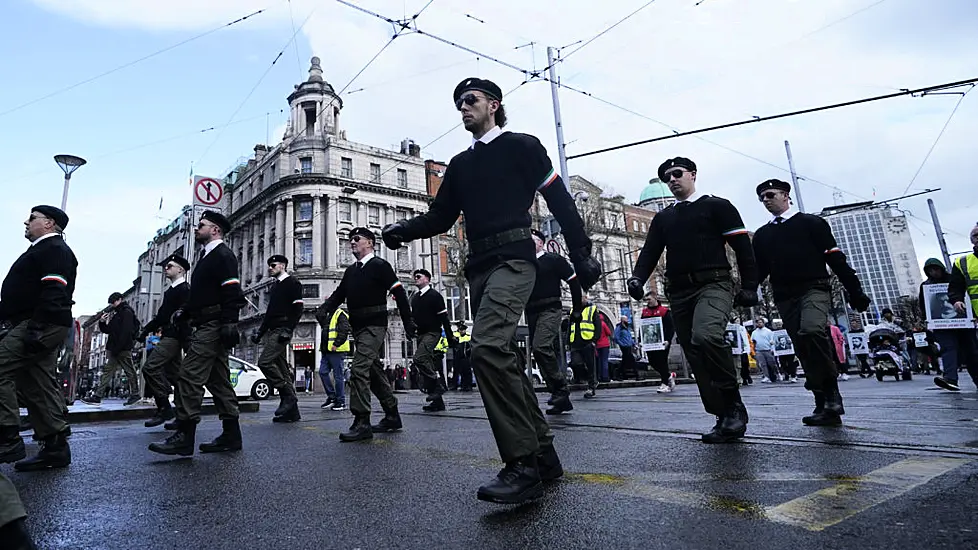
585,326
442,345
345,346
969,267
462,338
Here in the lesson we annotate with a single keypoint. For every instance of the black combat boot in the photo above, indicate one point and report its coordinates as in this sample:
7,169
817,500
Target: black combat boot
287,401
548,464
171,426
15,536
519,481
437,404
733,422
181,442
162,415
229,440
11,445
360,429
821,416
833,399
290,415
54,453
390,423
560,404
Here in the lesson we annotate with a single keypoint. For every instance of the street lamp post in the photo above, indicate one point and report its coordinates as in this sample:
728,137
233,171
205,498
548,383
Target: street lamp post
68,163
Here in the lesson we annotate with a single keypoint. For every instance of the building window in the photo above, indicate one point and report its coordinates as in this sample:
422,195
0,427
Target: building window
373,216
303,251
344,256
402,178
404,259
305,165
346,165
310,291
305,211
457,310
345,211
374,173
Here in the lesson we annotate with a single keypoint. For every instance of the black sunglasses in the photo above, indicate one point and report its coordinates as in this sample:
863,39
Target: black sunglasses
768,195
356,238
674,174
468,99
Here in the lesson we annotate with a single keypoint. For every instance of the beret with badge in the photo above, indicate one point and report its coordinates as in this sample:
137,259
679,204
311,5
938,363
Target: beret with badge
54,213
471,84
678,162
278,259
177,259
217,219
363,232
773,185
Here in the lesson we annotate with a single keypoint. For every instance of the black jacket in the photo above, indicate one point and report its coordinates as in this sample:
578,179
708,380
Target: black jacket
173,299
121,329
40,284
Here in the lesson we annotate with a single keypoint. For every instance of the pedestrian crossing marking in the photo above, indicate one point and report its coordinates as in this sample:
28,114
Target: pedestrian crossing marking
832,505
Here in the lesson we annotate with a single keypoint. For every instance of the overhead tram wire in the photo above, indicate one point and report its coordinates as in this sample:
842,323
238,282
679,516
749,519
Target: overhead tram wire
600,34
901,93
129,64
295,44
255,87
939,136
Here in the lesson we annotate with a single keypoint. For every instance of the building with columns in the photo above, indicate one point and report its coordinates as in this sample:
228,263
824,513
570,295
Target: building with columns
301,197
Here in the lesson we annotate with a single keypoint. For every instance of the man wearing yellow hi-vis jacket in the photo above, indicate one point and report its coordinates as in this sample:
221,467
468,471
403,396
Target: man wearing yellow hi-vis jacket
584,332
335,346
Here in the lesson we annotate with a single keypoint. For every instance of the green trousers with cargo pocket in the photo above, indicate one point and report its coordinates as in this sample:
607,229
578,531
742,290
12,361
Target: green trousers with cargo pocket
367,372
206,364
701,314
806,318
34,374
11,508
499,296
273,363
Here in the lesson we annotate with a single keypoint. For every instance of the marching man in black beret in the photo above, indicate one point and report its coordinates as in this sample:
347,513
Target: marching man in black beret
283,314
162,369
212,309
35,318
430,318
694,232
793,248
493,184
364,288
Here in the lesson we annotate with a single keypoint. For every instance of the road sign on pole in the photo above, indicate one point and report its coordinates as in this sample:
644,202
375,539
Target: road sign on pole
208,192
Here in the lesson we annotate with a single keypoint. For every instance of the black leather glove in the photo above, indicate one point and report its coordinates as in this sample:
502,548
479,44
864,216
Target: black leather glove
393,235
588,271
576,316
860,302
255,338
229,335
177,316
410,329
32,338
636,289
746,298
284,336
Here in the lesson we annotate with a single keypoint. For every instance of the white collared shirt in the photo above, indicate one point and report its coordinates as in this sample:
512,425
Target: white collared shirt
694,197
423,289
42,237
365,259
541,253
178,281
282,276
784,215
492,134
211,246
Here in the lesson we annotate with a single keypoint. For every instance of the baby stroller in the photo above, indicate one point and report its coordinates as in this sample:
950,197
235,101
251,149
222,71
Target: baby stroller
888,358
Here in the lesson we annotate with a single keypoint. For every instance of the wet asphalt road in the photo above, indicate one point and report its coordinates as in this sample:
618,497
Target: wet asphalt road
903,473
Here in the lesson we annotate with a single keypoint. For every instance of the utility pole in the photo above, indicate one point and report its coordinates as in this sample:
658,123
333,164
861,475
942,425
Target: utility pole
561,153
794,177
940,234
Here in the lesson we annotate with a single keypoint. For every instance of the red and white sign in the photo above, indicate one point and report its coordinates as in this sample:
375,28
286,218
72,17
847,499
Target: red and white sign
207,191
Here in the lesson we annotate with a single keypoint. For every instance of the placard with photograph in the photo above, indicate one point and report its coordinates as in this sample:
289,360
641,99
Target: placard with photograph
858,343
941,314
732,336
783,344
653,337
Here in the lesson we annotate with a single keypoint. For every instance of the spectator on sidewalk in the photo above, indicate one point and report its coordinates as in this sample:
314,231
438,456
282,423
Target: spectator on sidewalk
603,347
957,345
122,327
659,359
763,339
626,343
839,342
745,377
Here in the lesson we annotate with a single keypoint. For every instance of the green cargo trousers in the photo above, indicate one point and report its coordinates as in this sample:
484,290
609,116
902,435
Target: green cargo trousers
499,296
273,363
367,372
11,508
206,364
34,374
806,319
122,360
544,330
162,371
700,315
427,363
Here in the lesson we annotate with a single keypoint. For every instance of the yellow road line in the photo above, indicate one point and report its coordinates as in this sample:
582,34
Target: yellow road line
832,505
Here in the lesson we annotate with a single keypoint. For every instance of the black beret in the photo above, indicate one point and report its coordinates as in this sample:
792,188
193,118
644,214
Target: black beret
537,233
423,271
177,259
886,310
680,162
487,87
115,296
775,184
363,232
278,259
218,219
54,213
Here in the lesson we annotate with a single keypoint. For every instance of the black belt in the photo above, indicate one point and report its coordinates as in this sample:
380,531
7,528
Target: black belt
499,239
205,315
361,311
699,278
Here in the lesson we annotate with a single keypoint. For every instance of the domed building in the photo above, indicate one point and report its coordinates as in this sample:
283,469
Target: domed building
656,196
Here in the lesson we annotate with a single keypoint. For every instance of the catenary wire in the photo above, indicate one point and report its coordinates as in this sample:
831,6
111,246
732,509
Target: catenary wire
939,136
129,64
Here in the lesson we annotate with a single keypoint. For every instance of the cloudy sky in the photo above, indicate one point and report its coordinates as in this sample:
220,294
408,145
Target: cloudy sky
674,64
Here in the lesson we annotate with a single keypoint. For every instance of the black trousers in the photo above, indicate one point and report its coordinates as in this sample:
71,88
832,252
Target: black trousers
745,368
659,360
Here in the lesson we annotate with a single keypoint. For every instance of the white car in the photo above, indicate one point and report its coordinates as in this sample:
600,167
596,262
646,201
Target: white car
247,381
